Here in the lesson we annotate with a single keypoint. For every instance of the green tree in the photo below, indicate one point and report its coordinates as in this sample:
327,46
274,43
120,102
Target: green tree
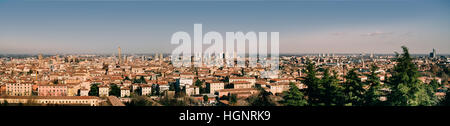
313,84
331,92
5,103
56,81
353,89
142,80
446,101
232,99
406,88
294,97
372,95
115,90
126,78
205,98
262,99
94,90
199,84
431,89
139,101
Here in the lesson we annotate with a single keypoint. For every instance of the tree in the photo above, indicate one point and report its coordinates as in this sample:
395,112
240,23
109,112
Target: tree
431,89
353,89
199,84
331,92
5,103
446,100
372,95
139,101
94,90
262,99
56,81
138,91
205,98
115,90
142,80
232,99
406,88
294,97
312,82
126,78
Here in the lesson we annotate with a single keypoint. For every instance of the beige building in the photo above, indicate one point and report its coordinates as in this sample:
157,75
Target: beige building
18,89
192,90
278,87
215,86
84,92
252,80
242,84
124,92
243,92
103,91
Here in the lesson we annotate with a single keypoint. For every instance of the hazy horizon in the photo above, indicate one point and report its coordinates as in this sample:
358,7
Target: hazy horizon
305,27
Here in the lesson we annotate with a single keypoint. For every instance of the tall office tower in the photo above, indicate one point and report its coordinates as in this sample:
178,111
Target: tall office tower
433,54
156,56
120,55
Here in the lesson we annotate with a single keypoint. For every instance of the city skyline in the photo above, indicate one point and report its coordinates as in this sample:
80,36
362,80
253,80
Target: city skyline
99,27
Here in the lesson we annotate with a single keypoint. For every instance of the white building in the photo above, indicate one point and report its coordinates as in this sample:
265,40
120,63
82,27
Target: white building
185,81
84,92
146,90
163,87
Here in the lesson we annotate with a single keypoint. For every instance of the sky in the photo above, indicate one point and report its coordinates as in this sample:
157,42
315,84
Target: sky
146,26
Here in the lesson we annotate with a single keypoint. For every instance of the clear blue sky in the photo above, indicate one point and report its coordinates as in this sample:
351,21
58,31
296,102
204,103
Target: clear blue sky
329,26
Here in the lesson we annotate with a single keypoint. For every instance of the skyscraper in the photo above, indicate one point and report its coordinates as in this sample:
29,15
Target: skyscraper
433,54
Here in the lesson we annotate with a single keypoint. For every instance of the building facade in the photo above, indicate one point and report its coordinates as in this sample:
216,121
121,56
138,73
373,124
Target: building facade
18,89
52,90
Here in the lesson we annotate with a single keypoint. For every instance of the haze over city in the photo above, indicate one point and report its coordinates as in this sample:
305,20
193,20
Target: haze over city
61,27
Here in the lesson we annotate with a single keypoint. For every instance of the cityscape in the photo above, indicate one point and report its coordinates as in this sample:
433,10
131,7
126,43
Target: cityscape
152,80
278,53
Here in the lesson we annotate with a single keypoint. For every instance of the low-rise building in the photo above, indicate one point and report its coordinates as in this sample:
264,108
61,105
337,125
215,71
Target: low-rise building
124,92
252,80
84,92
103,91
243,92
280,87
52,90
59,100
146,89
19,89
215,86
242,84
185,81
192,90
